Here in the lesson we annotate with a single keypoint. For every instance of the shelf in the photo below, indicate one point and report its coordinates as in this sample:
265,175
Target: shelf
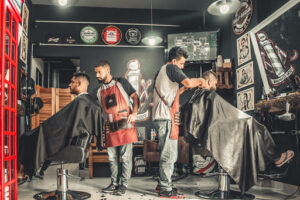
97,45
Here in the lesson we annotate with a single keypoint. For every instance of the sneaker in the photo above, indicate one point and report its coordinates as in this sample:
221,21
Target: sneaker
173,194
157,189
111,188
285,158
121,190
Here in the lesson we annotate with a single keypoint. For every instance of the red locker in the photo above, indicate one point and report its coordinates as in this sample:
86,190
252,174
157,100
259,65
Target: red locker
9,25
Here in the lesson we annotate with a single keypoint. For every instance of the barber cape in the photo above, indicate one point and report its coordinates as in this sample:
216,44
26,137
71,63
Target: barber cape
239,144
83,114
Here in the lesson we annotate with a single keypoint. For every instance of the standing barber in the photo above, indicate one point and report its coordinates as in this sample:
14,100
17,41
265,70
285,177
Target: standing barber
165,115
114,95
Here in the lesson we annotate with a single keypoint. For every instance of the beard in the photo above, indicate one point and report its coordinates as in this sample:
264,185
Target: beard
102,80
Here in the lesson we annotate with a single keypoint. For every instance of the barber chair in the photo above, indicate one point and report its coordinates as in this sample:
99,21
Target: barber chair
223,192
151,152
76,152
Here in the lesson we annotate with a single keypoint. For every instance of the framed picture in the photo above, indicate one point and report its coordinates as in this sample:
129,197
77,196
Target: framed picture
245,75
245,99
25,17
23,49
243,49
276,45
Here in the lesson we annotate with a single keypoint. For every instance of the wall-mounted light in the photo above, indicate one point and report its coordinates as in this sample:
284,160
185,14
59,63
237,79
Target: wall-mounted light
223,7
62,2
152,39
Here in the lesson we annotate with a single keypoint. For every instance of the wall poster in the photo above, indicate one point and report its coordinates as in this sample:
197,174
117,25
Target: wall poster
245,99
245,75
243,49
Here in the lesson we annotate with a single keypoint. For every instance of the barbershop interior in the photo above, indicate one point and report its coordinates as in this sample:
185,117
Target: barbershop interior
149,99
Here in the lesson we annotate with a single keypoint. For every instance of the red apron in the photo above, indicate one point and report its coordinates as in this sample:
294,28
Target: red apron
117,111
175,108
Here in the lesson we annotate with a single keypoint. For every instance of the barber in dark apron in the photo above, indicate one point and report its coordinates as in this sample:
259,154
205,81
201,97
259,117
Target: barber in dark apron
114,95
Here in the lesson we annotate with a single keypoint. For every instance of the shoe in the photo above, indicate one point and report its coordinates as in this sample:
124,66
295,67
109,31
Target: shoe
121,190
110,189
157,189
173,194
40,175
285,158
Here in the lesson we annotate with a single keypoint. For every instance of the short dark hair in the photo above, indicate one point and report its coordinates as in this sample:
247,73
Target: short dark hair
177,53
82,75
102,63
209,74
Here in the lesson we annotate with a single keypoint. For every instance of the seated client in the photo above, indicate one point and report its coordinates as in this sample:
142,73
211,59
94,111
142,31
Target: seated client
83,114
241,145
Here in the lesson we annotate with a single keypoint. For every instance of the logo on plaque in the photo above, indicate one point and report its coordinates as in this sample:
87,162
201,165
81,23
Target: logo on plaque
133,36
111,35
89,35
241,19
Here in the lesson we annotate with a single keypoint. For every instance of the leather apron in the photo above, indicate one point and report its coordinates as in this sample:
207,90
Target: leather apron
175,126
117,111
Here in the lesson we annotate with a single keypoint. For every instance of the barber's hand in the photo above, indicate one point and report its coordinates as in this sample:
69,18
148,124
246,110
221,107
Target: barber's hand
131,118
203,83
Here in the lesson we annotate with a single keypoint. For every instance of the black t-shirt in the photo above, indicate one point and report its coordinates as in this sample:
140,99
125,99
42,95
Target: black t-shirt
126,85
175,74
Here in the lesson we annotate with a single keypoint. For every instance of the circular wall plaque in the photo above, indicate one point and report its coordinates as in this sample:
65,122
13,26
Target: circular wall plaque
241,18
133,36
89,35
111,35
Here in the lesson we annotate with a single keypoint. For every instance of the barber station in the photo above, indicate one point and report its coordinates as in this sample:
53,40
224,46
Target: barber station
149,99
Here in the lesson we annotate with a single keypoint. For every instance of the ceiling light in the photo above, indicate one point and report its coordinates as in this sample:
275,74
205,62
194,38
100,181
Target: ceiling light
62,2
222,7
152,39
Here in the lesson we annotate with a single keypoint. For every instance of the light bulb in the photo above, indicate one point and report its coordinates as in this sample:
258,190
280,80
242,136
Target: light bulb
224,8
62,2
152,41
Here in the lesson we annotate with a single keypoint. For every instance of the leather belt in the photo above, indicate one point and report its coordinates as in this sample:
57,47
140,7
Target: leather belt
121,124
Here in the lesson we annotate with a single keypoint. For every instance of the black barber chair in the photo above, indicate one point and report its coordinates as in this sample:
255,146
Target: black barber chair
76,152
223,192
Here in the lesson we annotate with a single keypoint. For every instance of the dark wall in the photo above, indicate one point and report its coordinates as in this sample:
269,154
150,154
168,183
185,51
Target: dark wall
151,58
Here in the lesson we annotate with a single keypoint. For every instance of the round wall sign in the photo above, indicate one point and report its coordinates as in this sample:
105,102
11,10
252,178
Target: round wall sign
241,18
111,35
133,36
89,35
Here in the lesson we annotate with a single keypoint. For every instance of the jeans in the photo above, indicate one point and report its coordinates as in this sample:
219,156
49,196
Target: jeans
114,153
167,153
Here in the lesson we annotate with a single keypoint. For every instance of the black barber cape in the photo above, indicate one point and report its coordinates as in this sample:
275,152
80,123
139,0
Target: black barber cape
240,144
80,115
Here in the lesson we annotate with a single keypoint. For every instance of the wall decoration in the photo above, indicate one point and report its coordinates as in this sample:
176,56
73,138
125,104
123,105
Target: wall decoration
245,100
243,49
89,35
276,45
69,39
53,39
111,35
245,75
25,17
241,18
142,87
23,49
133,36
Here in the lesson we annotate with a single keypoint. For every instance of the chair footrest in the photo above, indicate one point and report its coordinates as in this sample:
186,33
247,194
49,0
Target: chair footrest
57,195
217,194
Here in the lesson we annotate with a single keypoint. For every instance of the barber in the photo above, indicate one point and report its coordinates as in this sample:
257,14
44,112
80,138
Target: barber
166,117
114,95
